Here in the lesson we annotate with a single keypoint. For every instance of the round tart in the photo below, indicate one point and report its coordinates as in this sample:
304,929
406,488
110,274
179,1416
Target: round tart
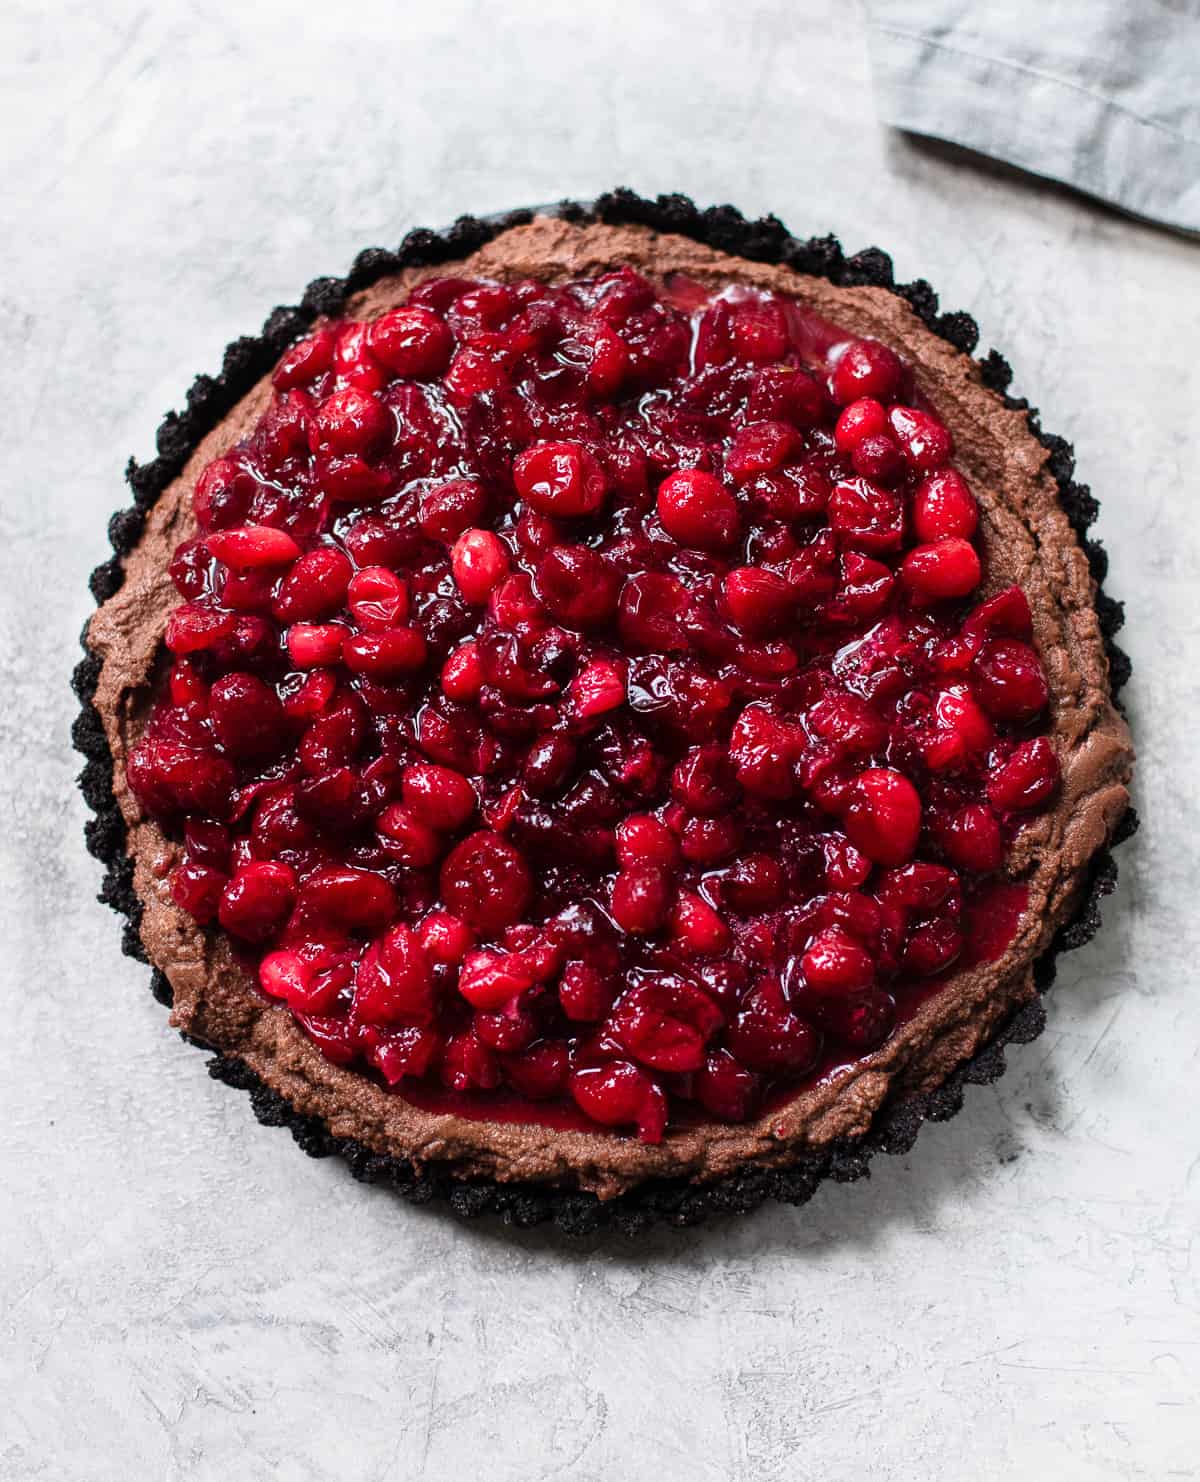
605,714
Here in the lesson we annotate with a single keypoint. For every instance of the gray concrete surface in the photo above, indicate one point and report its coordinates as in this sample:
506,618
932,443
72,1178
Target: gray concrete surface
182,1295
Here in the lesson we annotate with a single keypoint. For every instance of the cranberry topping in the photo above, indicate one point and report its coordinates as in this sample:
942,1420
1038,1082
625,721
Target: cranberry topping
581,695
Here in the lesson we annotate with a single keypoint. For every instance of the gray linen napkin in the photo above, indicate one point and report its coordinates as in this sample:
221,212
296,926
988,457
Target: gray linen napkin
1101,94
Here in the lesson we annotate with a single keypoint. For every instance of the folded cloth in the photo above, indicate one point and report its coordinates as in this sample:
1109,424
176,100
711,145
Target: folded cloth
1101,94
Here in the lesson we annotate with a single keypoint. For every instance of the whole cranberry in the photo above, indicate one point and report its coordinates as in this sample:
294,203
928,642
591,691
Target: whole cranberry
867,368
258,900
925,442
490,980
377,598
353,362
578,586
540,1072
168,777
314,645
878,458
759,330
918,886
932,947
351,421
449,509
196,626
757,882
697,510
972,839
786,393
190,568
943,506
438,796
944,569
643,839
703,780
696,929
447,939
759,601
407,838
462,674
246,716
726,1089
408,1050
187,690
1027,779
863,418
509,1030
866,517
561,479
385,656
549,765
767,1036
411,341
1005,615
348,898
198,888
849,722
286,975
883,815
652,605
485,881
764,748
372,541
836,962
394,984
598,688
315,588
277,826
221,498
513,604
468,1064
306,360
861,1021
479,561
957,710
585,993
607,359
641,896
621,1092
846,868
477,369
760,447
707,841
665,1022
1009,681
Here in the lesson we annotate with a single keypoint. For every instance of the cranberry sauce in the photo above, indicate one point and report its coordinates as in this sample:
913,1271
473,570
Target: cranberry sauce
581,697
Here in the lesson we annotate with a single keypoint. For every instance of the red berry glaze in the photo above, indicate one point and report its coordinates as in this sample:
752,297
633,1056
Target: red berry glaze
582,694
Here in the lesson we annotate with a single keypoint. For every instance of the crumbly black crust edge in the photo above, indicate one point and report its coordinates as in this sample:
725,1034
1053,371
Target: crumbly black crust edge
674,1202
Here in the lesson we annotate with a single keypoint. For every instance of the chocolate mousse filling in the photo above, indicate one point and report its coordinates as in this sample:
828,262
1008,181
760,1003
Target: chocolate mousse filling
1019,479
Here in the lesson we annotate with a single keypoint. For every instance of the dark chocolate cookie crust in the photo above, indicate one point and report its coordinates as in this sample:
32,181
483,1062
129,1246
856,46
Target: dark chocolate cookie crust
246,361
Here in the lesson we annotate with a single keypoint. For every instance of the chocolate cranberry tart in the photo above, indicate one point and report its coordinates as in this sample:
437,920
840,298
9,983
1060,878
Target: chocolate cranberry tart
605,714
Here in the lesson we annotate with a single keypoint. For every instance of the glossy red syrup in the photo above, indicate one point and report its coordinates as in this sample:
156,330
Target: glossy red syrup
583,707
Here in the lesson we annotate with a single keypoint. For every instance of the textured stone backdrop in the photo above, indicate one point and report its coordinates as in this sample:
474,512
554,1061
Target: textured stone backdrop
182,1294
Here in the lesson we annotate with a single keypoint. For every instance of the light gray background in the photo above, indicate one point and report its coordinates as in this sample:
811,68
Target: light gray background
182,1294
